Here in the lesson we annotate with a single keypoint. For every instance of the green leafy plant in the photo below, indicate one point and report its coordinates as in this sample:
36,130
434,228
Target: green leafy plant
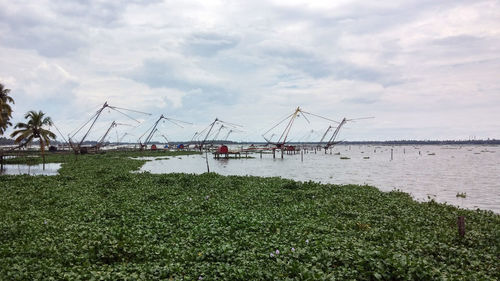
34,129
97,220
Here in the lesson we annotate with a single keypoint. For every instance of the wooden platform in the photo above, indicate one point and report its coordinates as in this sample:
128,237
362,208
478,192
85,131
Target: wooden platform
230,154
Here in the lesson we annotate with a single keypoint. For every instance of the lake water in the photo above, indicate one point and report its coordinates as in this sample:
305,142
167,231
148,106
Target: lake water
34,170
426,172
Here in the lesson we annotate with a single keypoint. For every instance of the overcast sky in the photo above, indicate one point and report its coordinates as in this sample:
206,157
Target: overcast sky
424,69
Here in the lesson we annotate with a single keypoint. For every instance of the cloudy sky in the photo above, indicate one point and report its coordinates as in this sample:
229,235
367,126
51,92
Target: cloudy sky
424,69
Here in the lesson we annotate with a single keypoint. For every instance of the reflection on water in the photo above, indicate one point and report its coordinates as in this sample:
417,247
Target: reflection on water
427,172
34,170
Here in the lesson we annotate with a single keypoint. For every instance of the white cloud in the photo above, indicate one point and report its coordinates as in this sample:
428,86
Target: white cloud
415,65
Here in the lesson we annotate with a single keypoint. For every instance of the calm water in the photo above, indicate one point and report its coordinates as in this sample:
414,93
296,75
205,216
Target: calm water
438,172
50,169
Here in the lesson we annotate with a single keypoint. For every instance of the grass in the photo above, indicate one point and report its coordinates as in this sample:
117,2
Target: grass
96,220
34,158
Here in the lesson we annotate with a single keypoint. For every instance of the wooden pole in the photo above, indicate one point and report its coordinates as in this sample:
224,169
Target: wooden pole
461,226
301,156
206,158
42,148
391,154
261,154
281,153
274,153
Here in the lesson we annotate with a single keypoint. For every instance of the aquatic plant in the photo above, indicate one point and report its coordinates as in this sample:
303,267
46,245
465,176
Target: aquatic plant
97,220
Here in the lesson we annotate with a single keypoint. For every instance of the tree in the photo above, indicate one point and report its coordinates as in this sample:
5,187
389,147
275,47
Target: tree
34,128
5,109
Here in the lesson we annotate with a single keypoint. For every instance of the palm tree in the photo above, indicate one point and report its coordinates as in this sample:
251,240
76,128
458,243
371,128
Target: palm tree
34,129
5,109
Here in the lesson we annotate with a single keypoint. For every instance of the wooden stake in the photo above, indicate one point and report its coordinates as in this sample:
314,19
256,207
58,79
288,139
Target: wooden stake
206,158
461,226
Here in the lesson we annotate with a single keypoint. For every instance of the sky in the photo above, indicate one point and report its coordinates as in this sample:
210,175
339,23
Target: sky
423,69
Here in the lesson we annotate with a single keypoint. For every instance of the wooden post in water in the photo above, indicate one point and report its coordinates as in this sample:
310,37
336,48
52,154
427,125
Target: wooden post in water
206,157
261,154
1,162
301,155
461,226
274,153
281,153
391,154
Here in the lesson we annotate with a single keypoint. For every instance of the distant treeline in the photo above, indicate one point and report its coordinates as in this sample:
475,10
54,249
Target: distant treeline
6,141
402,142
424,142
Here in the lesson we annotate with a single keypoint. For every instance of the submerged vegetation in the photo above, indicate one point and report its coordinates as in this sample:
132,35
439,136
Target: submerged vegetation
97,220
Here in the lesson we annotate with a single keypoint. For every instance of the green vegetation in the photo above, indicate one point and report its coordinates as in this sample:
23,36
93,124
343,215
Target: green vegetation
34,129
32,157
5,108
98,221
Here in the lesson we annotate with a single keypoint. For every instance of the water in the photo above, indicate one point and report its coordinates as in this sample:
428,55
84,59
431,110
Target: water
427,172
33,170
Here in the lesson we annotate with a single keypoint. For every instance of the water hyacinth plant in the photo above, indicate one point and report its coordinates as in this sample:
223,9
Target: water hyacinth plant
98,220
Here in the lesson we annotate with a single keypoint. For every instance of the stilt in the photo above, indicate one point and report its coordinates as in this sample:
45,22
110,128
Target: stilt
391,154
274,153
461,226
301,156
281,153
